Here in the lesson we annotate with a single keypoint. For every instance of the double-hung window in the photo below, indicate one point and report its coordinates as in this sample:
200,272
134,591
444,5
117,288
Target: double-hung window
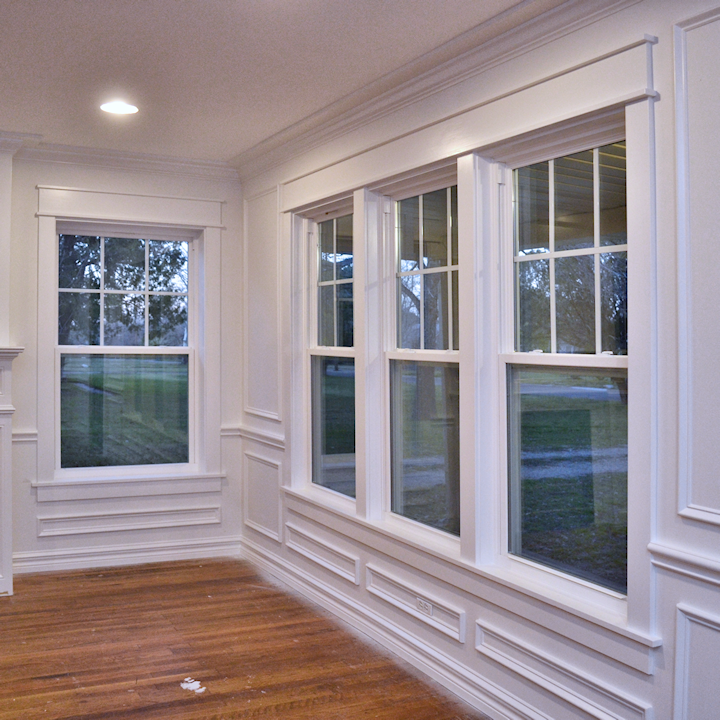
424,378
125,344
332,358
567,383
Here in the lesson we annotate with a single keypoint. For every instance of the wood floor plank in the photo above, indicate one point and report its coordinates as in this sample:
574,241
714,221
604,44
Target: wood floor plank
117,643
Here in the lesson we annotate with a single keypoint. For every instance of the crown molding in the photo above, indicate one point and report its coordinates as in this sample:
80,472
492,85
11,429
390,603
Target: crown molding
509,35
117,160
12,141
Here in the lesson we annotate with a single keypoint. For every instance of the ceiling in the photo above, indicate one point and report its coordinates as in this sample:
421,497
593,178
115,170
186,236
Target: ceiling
214,78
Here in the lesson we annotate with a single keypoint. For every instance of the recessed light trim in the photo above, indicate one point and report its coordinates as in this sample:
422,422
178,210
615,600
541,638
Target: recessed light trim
118,107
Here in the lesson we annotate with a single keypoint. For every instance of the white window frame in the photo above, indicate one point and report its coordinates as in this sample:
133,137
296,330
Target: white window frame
493,183
311,232
487,333
71,211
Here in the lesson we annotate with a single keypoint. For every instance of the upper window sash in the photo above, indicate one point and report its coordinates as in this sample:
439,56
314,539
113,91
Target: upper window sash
334,282
570,253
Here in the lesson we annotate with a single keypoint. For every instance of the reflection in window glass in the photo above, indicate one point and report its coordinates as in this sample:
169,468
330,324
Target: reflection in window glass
425,443
409,305
575,303
333,419
123,410
568,471
124,264
105,278
532,214
436,311
613,287
427,292
613,197
78,319
532,326
335,290
574,211
79,262
575,300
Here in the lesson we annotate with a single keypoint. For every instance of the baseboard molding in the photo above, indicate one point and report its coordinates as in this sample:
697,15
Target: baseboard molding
458,679
115,555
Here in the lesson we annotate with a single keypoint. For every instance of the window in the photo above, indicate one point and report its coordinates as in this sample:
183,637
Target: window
332,359
567,381
424,382
128,405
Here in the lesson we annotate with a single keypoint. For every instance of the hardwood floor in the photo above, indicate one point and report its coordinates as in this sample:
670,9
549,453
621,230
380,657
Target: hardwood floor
118,643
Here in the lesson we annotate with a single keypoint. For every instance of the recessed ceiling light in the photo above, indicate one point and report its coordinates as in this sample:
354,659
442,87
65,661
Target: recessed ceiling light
119,107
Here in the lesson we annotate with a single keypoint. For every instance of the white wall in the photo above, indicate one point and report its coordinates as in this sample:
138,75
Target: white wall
171,517
516,650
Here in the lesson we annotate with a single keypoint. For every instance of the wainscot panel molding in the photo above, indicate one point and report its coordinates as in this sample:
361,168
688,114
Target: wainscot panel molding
417,603
698,153
484,694
586,694
105,488
29,436
323,553
263,437
262,303
697,658
619,643
460,60
105,522
125,554
262,508
685,563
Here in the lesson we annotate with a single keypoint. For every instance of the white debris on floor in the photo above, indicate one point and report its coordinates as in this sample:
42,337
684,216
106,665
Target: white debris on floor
192,685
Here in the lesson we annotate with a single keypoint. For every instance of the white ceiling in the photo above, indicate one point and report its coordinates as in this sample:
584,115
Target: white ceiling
213,78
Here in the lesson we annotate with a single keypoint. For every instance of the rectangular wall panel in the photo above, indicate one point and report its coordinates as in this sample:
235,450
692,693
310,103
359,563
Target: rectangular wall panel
261,510
698,107
323,553
697,659
262,326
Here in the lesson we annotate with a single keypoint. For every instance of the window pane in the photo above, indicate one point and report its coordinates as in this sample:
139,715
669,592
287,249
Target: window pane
124,319
435,308
533,305
409,311
78,318
574,207
345,315
79,262
123,410
613,199
409,232
435,236
168,320
344,247
168,270
326,315
425,443
575,304
532,224
455,313
568,471
454,219
613,284
327,250
124,264
333,418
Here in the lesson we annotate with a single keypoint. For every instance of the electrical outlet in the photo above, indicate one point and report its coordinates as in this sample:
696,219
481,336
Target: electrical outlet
424,606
